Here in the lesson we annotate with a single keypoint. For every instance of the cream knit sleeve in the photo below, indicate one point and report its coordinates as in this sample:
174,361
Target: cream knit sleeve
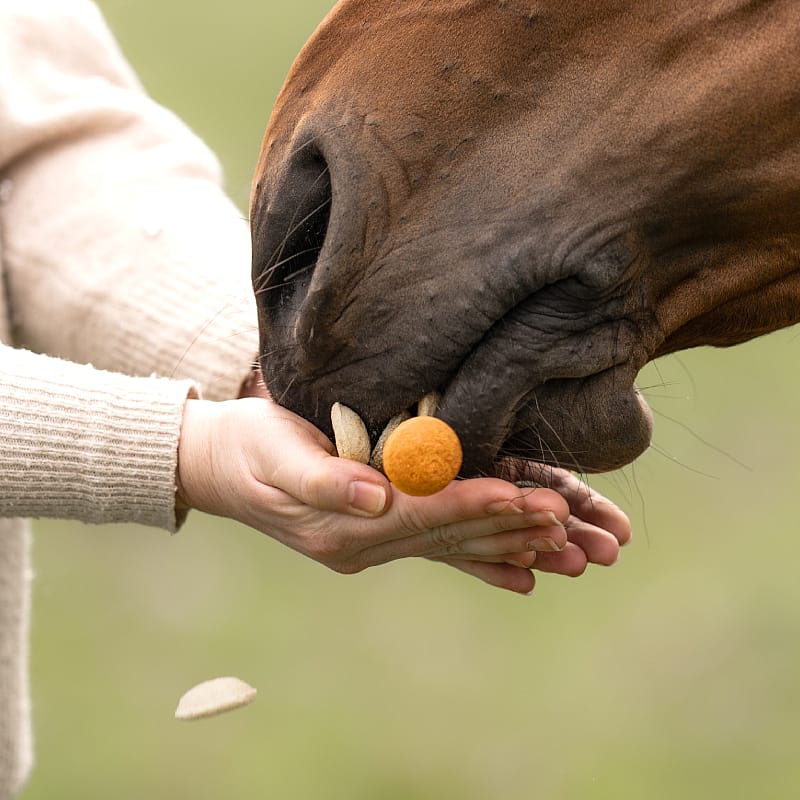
81,443
119,249
119,246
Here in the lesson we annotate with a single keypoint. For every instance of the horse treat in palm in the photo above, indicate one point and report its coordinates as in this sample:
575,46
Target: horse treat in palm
422,456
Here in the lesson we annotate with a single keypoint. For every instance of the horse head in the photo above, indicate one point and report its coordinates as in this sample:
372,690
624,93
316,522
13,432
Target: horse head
518,204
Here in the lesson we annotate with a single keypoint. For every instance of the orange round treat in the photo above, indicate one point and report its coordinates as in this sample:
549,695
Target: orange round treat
422,455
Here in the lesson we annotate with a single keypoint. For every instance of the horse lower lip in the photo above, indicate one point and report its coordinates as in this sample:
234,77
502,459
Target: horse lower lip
482,412
612,429
481,436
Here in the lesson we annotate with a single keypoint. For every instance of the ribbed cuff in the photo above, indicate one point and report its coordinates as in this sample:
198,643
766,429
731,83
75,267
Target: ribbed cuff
80,443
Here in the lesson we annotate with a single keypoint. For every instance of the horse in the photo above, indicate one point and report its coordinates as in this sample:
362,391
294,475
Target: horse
517,204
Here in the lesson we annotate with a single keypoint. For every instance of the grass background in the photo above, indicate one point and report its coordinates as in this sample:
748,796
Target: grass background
674,674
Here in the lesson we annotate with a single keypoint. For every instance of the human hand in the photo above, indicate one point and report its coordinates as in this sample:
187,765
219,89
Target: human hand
596,529
253,461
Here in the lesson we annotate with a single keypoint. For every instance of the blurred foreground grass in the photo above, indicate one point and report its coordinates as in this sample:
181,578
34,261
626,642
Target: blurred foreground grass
674,674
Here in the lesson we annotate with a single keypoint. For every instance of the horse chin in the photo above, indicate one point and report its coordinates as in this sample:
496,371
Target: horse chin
580,426
594,424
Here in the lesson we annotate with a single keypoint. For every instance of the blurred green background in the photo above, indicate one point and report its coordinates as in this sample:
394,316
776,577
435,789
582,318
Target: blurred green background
674,674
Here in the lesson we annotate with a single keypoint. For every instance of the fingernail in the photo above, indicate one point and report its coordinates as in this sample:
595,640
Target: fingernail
547,519
367,498
505,506
544,545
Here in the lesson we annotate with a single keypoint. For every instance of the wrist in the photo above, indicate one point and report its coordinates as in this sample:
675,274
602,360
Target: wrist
193,452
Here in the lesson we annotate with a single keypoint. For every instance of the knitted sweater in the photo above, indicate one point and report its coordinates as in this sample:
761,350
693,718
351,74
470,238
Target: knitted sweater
118,249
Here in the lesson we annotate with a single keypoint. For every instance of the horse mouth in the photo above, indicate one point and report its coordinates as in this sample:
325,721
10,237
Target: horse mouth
592,424
567,400
597,423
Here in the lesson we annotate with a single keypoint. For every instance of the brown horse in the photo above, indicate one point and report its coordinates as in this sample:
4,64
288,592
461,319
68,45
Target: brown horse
518,204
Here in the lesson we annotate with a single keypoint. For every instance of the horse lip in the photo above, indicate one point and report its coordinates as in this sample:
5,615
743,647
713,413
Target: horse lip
489,438
483,435
614,429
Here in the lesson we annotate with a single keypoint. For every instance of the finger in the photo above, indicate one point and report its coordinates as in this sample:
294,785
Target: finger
600,546
596,510
545,538
309,472
518,470
254,386
479,507
526,559
584,502
503,576
592,507
328,483
469,510
571,561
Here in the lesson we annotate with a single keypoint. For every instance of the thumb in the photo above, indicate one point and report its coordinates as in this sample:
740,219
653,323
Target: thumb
306,469
328,483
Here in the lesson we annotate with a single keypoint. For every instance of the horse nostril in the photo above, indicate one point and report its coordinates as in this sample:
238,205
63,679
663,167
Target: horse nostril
290,232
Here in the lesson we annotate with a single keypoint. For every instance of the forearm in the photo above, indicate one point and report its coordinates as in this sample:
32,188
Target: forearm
79,443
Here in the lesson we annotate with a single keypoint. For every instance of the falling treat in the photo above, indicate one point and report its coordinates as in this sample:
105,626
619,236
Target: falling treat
422,456
213,697
350,433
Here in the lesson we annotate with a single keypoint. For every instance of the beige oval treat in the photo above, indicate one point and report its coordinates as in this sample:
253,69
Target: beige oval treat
427,405
350,433
214,697
376,459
